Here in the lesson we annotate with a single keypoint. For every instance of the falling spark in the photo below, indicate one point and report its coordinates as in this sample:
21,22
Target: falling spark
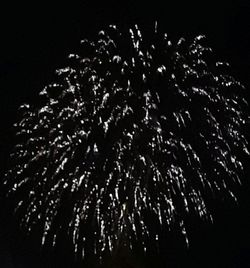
132,134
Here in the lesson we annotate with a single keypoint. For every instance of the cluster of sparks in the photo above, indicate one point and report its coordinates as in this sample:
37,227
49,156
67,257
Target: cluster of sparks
132,136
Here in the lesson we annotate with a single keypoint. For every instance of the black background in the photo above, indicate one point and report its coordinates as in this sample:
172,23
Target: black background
35,38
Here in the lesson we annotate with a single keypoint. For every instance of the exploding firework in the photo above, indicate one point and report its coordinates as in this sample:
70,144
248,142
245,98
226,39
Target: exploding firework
133,135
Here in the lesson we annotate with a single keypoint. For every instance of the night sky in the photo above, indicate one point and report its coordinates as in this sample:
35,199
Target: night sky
35,39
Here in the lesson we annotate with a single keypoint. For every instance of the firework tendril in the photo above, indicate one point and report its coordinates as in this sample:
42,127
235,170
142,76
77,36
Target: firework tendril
133,135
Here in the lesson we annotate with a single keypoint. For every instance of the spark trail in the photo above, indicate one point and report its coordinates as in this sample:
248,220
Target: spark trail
132,136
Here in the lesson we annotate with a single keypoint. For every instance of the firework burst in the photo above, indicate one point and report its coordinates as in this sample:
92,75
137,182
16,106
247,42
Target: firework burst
133,135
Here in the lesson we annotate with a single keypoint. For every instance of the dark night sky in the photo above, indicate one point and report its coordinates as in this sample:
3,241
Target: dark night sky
36,38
